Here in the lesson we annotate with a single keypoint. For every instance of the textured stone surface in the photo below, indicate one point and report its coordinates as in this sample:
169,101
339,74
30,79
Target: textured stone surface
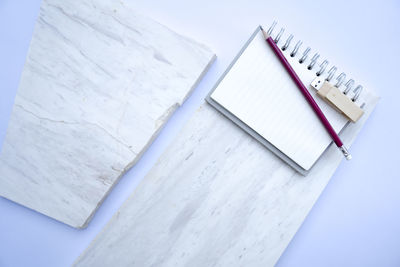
216,197
98,84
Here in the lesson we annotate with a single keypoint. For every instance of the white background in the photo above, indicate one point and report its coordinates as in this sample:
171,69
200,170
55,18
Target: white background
356,221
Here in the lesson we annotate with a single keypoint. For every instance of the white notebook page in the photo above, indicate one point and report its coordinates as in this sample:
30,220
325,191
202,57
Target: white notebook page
259,91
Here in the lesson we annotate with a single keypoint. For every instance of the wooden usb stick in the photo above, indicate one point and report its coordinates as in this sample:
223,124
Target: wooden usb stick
337,99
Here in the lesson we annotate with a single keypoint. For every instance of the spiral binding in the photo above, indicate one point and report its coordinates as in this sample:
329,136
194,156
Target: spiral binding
340,79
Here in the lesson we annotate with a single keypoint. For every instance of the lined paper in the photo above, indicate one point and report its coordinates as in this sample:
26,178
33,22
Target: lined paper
259,91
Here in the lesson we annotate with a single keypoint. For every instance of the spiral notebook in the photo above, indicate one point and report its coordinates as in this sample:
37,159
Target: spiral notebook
257,94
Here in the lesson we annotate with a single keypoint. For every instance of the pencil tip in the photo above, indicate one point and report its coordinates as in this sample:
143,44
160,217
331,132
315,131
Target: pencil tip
265,34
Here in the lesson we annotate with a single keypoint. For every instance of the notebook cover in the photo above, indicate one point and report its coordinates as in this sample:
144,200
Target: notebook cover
244,126
248,129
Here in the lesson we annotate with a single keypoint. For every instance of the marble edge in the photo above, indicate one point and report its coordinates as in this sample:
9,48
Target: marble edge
169,114
185,36
17,88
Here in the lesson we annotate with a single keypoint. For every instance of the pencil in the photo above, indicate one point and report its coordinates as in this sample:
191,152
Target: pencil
306,95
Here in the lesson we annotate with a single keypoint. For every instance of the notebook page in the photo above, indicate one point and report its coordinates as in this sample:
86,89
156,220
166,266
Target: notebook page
259,91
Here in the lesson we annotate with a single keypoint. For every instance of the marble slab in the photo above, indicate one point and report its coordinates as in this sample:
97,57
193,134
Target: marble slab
216,197
99,83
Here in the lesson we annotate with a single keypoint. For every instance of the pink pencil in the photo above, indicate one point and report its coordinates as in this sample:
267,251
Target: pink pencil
306,94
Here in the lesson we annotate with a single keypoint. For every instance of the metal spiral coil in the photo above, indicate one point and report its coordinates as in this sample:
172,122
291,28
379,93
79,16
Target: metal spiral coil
305,54
348,85
357,93
331,73
278,37
296,48
323,67
313,61
271,28
288,40
340,79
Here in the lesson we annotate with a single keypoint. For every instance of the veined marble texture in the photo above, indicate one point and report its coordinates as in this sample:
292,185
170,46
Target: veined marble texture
98,85
216,197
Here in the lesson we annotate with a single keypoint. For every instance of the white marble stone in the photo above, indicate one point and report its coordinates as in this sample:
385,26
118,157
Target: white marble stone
216,197
98,85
